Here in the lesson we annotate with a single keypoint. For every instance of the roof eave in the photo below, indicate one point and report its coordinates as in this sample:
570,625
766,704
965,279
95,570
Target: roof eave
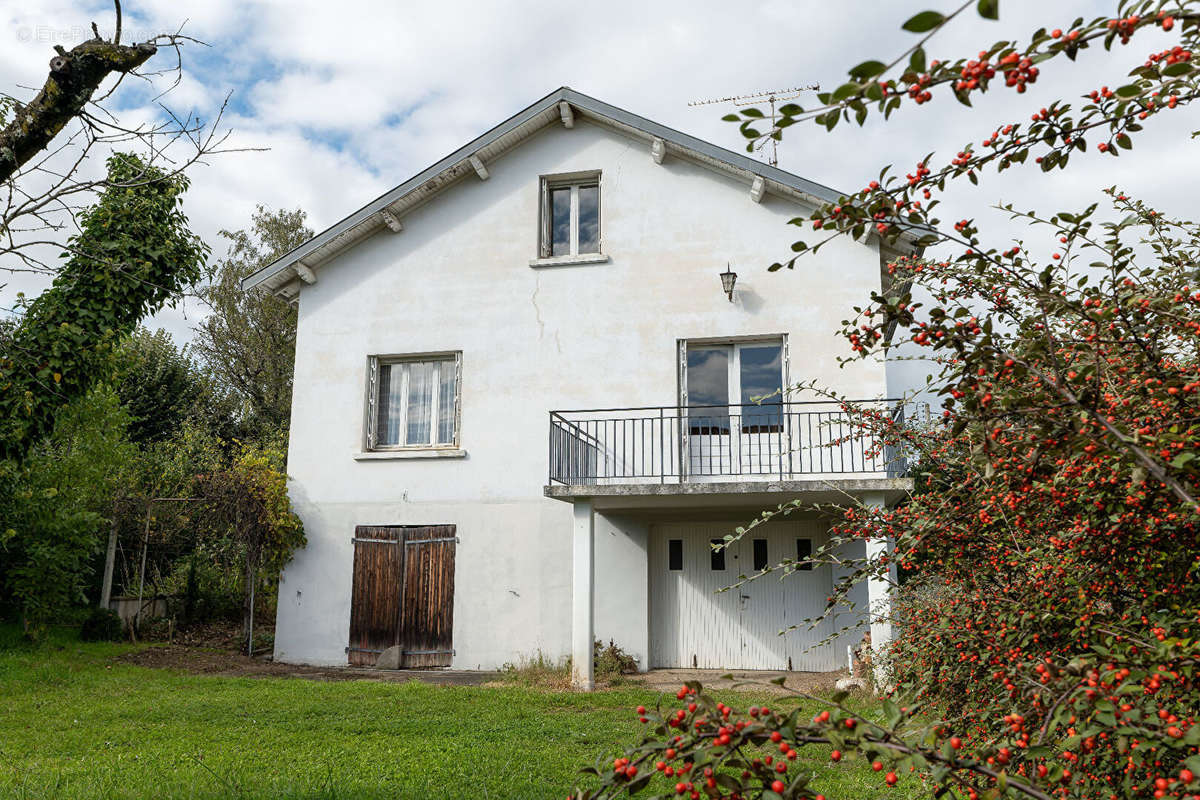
282,272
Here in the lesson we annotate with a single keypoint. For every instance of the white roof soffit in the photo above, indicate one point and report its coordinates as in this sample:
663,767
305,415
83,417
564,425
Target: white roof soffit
280,276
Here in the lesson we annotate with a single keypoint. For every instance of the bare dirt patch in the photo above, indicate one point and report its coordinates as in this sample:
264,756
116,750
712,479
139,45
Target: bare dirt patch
227,662
213,650
669,680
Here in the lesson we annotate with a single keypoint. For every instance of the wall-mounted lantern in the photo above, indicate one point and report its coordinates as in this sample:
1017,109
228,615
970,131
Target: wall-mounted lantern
728,279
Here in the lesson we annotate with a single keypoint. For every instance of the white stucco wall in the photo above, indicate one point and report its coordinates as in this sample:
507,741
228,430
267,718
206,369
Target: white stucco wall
533,340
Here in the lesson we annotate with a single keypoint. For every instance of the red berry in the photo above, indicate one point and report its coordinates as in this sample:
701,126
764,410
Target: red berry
890,779
777,787
836,755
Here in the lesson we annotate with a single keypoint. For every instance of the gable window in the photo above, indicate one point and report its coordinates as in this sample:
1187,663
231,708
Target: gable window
413,402
570,216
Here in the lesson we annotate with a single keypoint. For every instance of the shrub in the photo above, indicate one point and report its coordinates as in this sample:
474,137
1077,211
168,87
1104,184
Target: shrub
102,625
612,661
1048,637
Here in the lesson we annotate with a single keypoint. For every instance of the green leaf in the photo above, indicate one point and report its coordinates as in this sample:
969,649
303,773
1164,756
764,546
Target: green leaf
1129,90
845,90
731,118
989,9
917,61
1182,68
639,784
892,713
867,69
752,112
925,21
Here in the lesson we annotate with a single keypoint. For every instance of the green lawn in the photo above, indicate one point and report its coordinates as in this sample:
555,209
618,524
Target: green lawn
75,722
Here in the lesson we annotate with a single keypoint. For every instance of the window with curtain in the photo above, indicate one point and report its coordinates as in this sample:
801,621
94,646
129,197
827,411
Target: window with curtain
413,402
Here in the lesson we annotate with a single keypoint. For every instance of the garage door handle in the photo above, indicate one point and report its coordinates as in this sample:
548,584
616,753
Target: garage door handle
745,596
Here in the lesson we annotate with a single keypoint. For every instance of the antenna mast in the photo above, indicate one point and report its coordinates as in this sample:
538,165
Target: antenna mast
771,96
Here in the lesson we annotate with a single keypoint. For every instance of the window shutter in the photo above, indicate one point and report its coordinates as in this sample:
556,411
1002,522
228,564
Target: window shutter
544,221
457,397
786,370
372,400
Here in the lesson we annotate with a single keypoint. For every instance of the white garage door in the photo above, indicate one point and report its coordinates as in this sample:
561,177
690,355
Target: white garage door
694,624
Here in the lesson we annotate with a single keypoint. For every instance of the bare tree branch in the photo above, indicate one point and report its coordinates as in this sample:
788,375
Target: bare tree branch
74,77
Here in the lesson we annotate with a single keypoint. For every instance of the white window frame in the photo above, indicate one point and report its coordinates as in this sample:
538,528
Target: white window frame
444,360
573,181
734,343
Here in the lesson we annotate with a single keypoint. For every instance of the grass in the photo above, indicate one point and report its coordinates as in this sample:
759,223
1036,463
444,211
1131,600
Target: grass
76,722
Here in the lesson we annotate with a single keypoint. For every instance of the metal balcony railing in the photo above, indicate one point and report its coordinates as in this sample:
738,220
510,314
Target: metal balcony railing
767,441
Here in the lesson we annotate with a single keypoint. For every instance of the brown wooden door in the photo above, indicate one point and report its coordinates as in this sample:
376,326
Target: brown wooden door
427,604
375,599
403,594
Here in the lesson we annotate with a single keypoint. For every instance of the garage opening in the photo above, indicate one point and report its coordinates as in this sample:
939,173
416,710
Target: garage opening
693,623
403,594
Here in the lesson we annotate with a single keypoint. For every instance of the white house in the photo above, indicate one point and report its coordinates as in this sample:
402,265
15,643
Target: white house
525,404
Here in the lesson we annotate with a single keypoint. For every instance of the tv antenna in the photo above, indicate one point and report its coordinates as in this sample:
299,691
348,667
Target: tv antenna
772,97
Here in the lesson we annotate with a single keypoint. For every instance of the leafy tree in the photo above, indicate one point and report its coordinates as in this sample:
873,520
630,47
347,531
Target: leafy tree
249,340
133,254
159,385
55,506
249,499
1047,639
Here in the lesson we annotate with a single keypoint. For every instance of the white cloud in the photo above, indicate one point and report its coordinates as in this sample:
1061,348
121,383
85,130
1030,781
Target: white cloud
354,97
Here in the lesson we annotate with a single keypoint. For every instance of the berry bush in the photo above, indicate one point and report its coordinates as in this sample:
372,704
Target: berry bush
1048,624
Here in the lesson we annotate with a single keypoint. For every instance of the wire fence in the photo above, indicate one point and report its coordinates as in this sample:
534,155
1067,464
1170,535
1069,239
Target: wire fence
168,565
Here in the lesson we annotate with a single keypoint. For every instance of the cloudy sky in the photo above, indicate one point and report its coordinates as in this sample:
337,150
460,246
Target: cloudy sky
352,97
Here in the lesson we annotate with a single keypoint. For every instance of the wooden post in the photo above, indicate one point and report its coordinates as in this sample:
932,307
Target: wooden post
250,638
137,618
110,559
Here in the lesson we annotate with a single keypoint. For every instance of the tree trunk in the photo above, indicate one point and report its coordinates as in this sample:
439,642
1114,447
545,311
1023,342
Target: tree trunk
74,77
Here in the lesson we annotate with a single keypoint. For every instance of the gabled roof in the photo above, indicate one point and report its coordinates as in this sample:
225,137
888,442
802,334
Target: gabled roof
281,276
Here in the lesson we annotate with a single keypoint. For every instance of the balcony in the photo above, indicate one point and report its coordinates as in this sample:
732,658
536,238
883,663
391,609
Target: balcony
703,449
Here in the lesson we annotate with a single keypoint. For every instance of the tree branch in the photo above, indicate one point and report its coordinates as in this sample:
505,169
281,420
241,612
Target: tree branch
74,77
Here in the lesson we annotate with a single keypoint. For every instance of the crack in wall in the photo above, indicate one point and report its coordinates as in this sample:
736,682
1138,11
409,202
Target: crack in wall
537,287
